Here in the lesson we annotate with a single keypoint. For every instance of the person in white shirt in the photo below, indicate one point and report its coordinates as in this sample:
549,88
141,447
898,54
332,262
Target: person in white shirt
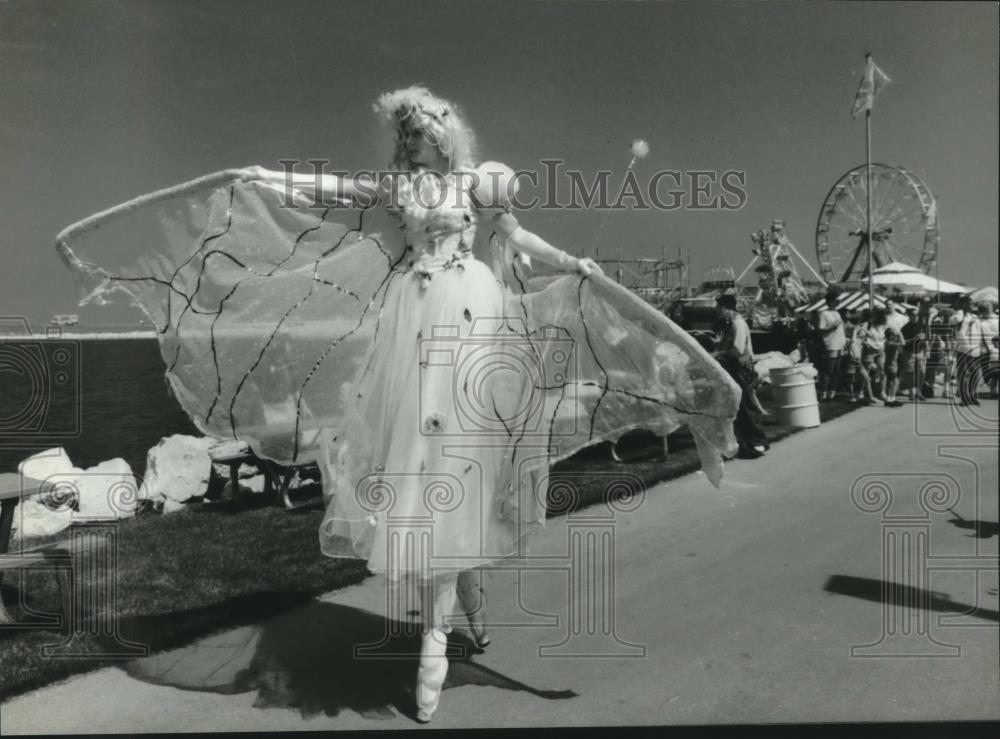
894,319
894,322
831,329
873,357
968,348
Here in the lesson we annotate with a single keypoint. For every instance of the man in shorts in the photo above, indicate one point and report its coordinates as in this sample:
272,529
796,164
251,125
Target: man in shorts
913,363
939,352
831,331
854,371
894,323
873,357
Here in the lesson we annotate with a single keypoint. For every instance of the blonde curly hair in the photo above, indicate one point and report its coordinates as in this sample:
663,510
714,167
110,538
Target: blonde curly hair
440,121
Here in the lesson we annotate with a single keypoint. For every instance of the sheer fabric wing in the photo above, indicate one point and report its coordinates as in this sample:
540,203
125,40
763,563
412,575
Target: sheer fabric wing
609,363
264,311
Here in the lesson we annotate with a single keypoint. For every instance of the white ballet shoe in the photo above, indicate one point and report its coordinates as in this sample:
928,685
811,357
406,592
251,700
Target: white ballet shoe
479,634
431,673
472,598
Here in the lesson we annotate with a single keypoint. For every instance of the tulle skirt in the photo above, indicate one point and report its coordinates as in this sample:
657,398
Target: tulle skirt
420,476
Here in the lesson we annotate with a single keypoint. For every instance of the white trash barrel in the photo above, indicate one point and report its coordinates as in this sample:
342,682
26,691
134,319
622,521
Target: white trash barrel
793,392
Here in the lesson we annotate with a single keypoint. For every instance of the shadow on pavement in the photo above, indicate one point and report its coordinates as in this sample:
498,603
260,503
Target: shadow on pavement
309,660
904,596
980,529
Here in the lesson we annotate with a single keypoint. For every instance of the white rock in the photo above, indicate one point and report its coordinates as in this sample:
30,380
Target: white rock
172,506
45,464
255,483
108,490
58,478
33,518
177,469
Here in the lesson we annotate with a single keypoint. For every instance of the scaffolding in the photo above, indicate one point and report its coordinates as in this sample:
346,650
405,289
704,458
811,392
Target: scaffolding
657,281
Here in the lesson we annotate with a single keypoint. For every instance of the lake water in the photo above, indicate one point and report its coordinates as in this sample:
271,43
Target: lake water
97,398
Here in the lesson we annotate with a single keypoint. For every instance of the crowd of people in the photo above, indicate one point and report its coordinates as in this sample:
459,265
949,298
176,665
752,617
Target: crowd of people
874,357
881,356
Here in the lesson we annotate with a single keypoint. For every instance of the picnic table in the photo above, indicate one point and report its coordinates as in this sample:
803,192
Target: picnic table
277,478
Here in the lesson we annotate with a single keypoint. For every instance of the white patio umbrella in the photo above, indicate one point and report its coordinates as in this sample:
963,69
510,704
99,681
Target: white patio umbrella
984,295
897,274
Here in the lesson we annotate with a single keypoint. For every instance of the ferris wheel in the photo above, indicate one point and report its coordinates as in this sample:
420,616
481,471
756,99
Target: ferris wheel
904,223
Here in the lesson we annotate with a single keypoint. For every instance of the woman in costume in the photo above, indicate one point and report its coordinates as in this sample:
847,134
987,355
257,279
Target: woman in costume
405,410
443,385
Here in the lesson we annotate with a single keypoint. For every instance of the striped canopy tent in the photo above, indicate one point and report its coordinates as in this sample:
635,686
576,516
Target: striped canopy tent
909,279
845,301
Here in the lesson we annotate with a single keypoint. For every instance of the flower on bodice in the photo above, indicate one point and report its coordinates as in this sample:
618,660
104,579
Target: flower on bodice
434,423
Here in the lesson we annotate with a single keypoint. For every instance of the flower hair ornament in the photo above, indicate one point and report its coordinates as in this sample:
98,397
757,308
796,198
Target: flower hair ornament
439,120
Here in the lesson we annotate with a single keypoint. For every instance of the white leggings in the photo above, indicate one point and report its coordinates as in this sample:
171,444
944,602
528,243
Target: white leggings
437,598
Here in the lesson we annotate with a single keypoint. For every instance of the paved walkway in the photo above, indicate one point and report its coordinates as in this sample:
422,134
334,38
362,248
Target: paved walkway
765,601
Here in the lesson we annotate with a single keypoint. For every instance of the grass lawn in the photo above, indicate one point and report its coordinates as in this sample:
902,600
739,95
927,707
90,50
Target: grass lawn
212,567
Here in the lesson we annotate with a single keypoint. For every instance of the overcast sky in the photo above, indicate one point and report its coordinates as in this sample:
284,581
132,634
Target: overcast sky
102,100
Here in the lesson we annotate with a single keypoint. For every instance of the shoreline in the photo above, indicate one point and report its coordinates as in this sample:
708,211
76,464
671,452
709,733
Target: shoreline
61,335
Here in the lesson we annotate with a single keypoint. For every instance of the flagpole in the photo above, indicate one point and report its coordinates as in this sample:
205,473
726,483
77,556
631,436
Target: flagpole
868,197
937,272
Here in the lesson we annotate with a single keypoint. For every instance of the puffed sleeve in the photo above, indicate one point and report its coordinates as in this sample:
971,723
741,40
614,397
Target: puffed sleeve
493,186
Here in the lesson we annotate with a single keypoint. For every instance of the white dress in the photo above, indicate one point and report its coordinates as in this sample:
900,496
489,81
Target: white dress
420,475
429,374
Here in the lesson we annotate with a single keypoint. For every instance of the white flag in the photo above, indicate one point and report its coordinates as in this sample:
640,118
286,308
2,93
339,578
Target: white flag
872,81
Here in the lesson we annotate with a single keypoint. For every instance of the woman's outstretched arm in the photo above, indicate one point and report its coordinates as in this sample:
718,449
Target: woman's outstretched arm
534,246
322,187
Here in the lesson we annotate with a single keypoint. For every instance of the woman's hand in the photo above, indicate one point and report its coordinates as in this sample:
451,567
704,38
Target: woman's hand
587,266
525,242
277,181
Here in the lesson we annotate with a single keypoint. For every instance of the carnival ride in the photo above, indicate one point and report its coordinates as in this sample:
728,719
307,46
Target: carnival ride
659,282
781,286
904,223
904,231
